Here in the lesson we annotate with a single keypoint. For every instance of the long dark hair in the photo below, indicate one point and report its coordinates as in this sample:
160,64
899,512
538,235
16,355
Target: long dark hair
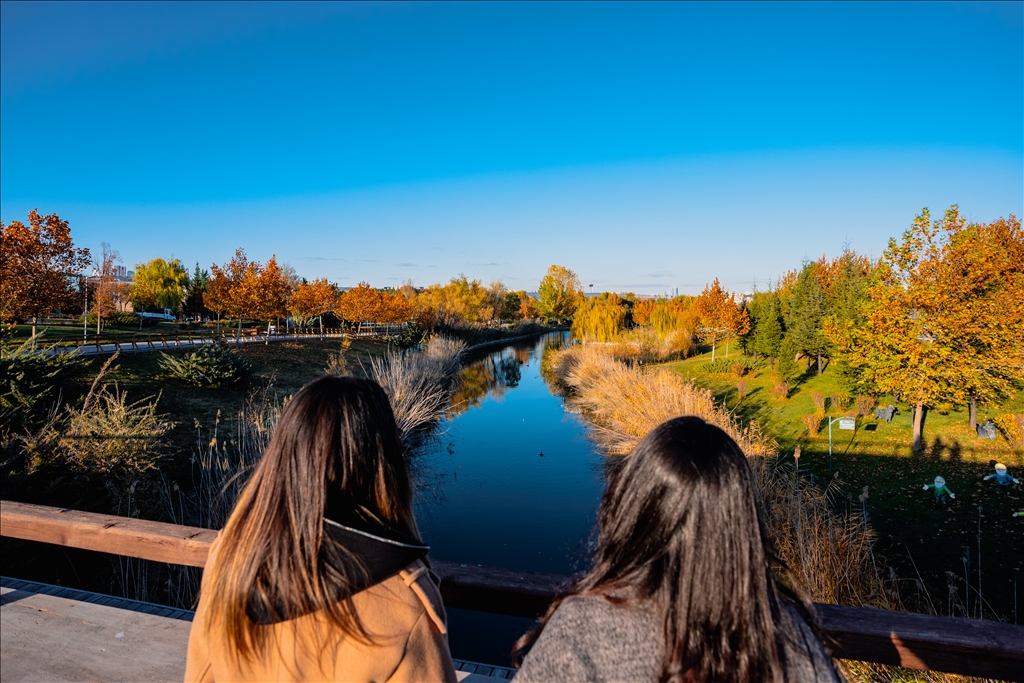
680,527
335,447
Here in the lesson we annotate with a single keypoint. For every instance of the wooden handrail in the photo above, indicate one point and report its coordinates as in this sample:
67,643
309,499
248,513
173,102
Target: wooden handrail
918,641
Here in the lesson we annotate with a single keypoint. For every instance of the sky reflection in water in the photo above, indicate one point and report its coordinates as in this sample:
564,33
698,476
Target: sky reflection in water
487,495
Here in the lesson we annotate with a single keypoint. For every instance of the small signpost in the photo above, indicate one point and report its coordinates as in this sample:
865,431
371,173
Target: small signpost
845,422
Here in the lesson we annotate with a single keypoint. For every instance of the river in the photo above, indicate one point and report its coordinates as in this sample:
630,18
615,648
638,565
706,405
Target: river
509,480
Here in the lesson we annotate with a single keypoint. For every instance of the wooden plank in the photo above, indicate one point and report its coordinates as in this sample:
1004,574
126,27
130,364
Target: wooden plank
971,647
497,590
917,641
107,533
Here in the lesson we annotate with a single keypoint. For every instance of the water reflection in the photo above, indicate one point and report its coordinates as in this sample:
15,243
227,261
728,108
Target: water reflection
511,478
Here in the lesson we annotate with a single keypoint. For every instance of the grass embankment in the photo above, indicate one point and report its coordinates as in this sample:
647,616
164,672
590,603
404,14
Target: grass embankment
919,538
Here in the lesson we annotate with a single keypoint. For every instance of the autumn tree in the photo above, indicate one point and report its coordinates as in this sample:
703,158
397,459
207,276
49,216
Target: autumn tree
909,344
982,306
719,316
642,310
359,304
560,293
313,299
460,301
394,308
38,264
159,283
528,306
270,291
231,288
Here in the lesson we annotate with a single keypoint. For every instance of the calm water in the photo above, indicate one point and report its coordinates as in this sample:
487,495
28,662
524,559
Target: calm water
511,480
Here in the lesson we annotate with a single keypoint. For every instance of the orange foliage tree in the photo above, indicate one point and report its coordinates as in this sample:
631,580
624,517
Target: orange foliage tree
642,310
312,300
719,316
360,304
231,289
38,264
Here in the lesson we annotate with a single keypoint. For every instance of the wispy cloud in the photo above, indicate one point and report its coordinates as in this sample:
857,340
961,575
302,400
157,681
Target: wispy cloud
406,265
320,258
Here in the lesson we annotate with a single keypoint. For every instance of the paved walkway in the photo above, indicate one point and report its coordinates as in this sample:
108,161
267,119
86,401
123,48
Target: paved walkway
185,342
59,634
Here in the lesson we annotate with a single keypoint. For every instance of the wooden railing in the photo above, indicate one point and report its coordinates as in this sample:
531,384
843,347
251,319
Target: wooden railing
976,648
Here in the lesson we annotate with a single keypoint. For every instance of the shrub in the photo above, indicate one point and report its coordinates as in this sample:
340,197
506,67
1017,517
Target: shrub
337,362
741,389
812,422
864,405
111,436
779,391
29,378
819,404
214,365
1012,427
739,369
839,401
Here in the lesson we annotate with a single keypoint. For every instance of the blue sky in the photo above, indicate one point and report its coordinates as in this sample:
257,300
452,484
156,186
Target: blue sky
645,146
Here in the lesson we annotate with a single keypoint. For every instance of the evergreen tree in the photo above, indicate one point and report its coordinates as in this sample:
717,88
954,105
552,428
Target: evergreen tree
807,313
768,331
195,287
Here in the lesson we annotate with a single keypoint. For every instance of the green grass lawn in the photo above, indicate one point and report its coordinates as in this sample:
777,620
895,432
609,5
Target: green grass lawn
914,534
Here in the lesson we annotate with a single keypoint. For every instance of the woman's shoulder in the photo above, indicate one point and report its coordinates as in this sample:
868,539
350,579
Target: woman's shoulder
407,596
591,638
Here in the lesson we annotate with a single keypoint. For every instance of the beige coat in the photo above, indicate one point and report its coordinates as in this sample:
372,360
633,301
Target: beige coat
403,614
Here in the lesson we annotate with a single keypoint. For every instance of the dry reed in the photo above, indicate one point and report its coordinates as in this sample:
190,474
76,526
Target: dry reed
419,383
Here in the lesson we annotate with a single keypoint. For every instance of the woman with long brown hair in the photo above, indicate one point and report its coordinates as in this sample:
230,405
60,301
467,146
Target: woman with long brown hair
319,573
684,586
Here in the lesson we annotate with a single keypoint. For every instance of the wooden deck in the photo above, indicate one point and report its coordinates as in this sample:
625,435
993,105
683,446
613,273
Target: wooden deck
58,635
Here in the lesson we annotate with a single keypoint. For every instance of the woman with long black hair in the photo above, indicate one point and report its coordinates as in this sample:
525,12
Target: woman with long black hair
319,573
684,586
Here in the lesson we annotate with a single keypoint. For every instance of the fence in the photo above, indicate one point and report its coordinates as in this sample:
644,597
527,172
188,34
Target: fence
917,641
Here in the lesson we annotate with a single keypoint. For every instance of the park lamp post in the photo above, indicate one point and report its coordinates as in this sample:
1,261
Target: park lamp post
845,422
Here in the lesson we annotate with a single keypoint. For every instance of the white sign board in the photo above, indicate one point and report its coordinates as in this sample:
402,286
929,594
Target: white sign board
848,423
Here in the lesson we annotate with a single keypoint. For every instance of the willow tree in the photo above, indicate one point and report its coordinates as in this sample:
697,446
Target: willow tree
159,283
599,319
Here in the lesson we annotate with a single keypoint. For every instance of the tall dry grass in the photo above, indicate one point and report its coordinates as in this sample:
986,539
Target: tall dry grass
418,384
624,402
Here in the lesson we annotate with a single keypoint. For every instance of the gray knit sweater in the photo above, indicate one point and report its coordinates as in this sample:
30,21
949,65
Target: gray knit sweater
589,639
